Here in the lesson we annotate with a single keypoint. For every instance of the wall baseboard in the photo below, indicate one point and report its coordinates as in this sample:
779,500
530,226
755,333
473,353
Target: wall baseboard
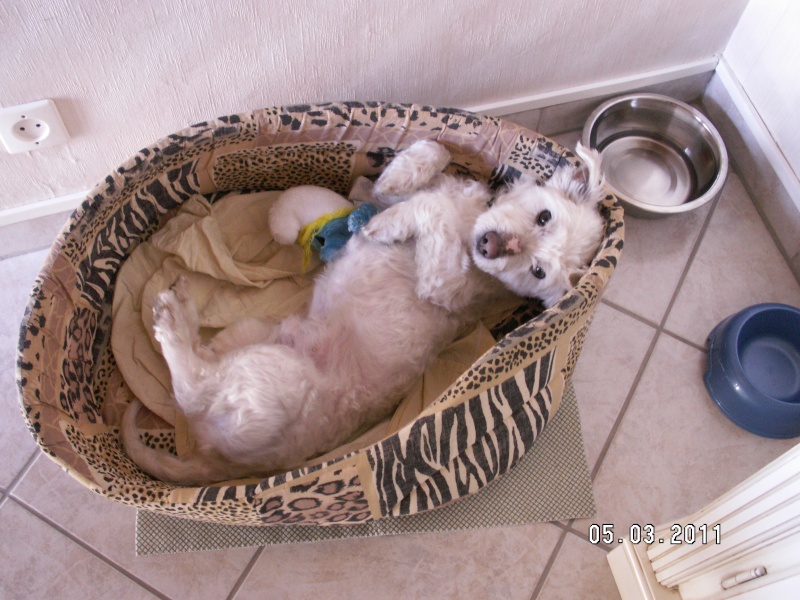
44,208
599,89
769,178
759,130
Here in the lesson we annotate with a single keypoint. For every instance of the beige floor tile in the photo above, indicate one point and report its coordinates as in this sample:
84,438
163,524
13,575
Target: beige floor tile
612,354
491,563
567,116
36,561
568,139
109,528
579,556
737,265
675,451
16,442
527,118
654,258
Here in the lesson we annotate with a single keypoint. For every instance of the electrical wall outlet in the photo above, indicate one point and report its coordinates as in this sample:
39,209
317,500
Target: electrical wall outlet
31,126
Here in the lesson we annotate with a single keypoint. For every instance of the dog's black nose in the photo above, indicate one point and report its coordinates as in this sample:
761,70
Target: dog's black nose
488,245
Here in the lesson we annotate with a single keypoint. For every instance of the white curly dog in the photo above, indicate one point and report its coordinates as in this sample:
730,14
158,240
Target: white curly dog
265,396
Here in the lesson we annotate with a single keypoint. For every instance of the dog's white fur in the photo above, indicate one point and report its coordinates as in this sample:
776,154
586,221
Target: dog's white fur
263,396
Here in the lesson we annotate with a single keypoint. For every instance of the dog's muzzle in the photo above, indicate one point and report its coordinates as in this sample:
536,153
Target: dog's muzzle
493,245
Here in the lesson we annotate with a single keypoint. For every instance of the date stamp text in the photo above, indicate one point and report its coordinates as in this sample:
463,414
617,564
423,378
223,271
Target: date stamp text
646,534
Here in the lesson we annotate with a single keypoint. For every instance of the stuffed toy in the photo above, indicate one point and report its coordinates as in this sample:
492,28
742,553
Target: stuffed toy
319,219
329,233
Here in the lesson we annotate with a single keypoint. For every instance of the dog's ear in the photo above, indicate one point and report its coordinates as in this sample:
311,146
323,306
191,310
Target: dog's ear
584,183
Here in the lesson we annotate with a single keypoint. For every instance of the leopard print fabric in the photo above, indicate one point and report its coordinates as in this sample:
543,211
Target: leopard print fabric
326,164
70,388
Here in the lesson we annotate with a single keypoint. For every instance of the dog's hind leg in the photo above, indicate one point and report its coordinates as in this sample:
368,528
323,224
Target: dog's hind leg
241,333
175,326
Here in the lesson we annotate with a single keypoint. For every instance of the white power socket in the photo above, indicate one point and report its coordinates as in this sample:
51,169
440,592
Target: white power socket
31,126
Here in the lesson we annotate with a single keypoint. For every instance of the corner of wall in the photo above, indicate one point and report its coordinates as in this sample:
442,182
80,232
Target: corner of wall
769,179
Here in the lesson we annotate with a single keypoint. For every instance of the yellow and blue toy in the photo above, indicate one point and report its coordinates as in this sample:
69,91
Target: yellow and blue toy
329,233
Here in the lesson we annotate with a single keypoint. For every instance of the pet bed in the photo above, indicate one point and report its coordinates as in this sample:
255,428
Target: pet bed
73,393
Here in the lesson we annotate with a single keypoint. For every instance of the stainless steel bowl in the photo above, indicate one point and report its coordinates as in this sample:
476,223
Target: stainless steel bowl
660,155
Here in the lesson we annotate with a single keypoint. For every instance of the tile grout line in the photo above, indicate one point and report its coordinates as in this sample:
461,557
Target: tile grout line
245,573
21,474
683,340
629,313
623,410
549,566
539,120
576,532
562,132
601,545
88,548
659,329
692,255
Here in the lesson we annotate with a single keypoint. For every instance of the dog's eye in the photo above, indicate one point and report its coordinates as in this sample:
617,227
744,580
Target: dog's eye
538,272
543,218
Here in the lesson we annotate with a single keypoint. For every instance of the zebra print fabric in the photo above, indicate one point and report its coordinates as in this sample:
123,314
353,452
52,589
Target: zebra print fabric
455,452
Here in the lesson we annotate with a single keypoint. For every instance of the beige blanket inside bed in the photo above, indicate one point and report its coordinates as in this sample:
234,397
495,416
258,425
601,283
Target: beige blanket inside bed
235,269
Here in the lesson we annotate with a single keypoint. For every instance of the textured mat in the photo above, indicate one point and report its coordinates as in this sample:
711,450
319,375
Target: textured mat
550,483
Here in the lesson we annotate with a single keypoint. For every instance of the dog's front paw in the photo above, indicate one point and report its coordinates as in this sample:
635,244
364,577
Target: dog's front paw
412,169
383,229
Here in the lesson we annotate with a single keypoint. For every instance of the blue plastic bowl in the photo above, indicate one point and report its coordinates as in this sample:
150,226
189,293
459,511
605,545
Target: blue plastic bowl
753,371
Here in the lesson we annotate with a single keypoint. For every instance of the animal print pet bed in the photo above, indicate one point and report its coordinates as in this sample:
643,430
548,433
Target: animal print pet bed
471,434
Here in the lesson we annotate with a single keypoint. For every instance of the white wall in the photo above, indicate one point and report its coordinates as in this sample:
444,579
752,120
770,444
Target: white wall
125,73
764,55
